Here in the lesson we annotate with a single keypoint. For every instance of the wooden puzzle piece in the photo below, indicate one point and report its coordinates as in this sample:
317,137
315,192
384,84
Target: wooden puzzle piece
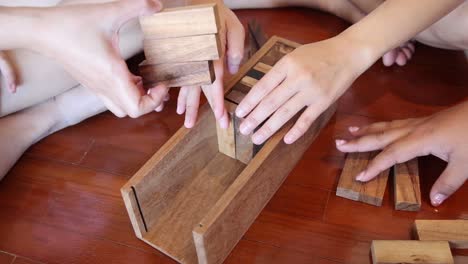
227,137
182,49
177,74
453,231
181,22
406,186
411,252
371,192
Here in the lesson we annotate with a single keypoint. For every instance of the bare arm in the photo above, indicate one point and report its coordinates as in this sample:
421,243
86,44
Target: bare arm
17,26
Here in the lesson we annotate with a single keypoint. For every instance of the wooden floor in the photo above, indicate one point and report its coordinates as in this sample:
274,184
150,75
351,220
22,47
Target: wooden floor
61,203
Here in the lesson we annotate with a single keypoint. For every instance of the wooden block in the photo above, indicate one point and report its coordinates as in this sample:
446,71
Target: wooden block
242,88
226,137
257,75
177,74
371,192
275,54
262,67
248,81
453,231
235,96
409,252
245,148
406,186
183,49
181,22
194,203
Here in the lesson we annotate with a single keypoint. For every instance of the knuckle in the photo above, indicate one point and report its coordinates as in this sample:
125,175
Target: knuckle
267,130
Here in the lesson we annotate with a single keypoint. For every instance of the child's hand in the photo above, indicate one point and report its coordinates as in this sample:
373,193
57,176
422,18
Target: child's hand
312,77
232,41
442,135
8,73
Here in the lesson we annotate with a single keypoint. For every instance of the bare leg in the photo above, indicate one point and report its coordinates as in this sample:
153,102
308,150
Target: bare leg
48,99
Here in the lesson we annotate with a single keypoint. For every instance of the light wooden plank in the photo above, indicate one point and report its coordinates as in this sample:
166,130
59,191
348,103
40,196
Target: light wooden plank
249,81
371,192
229,219
226,137
262,67
411,252
177,74
183,49
181,22
453,231
406,186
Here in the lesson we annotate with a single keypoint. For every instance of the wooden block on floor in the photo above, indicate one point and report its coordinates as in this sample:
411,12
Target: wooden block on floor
411,252
453,231
406,186
181,22
371,192
226,137
183,49
177,74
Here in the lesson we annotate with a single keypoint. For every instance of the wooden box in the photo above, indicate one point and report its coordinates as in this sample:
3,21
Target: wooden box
194,203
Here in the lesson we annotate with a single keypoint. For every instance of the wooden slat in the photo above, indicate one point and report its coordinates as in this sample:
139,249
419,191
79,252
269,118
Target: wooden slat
180,22
406,186
177,74
183,49
276,54
235,211
371,192
453,231
249,81
262,67
235,96
411,252
226,137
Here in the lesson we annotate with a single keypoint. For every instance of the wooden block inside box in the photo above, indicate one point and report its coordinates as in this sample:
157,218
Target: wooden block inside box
183,49
189,200
181,22
177,74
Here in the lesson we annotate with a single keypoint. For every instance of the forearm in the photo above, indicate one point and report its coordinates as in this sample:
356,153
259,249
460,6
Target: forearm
19,25
392,23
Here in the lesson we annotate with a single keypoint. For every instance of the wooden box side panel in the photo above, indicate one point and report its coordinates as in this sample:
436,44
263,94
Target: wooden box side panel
134,212
223,227
172,167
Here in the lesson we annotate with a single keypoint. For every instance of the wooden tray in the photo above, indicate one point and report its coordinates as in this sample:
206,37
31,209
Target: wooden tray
194,203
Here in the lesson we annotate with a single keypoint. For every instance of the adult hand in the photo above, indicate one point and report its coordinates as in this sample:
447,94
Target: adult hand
7,71
442,135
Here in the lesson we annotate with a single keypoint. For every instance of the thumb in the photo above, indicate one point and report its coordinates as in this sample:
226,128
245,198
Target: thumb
149,102
453,177
235,42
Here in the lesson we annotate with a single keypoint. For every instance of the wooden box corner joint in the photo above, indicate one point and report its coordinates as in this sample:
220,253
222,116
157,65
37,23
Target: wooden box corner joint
180,45
188,200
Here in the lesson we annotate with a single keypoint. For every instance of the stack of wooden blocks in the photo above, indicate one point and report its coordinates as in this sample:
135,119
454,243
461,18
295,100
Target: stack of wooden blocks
407,193
435,238
180,45
231,141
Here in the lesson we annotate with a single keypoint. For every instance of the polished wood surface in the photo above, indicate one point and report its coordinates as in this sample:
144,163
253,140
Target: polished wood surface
61,203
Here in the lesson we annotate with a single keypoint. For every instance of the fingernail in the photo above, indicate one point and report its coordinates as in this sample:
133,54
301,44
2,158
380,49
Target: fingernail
188,123
233,69
340,142
240,112
438,199
180,110
224,122
258,139
353,129
360,176
246,127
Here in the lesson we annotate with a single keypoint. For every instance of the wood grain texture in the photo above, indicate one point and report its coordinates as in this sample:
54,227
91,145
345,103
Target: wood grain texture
235,96
226,137
262,67
411,252
235,211
277,53
249,81
453,231
371,192
180,22
245,148
182,49
177,74
406,186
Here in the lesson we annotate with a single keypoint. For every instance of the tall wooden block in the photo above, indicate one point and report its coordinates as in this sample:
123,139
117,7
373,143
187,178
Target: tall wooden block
183,49
453,231
177,74
411,252
406,186
193,202
227,137
181,22
371,192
